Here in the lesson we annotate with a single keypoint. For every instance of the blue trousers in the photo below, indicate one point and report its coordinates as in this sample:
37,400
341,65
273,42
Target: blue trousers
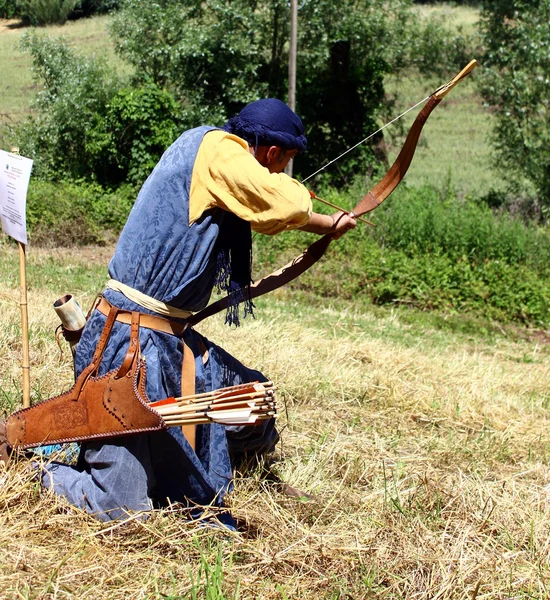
143,471
146,471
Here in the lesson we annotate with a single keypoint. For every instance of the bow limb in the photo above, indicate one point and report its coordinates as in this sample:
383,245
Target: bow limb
397,171
278,278
369,202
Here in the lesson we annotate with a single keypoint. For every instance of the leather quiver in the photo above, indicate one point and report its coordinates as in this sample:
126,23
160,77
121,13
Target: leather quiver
107,406
95,407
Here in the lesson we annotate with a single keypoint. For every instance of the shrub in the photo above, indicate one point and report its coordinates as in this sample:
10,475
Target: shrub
515,83
45,12
68,214
216,56
140,124
8,9
76,92
431,252
421,221
90,125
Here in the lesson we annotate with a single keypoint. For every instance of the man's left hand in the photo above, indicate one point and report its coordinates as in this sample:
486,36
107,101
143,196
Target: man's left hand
343,222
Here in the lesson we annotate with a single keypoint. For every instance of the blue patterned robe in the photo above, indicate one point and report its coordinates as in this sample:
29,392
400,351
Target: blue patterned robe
159,254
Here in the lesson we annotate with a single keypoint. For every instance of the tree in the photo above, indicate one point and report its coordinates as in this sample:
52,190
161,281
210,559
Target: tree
217,55
516,86
92,125
201,61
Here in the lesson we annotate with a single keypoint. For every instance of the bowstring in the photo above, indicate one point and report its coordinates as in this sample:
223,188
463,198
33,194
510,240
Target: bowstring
365,140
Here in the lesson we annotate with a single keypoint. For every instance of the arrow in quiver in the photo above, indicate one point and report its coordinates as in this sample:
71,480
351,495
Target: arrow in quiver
111,406
244,404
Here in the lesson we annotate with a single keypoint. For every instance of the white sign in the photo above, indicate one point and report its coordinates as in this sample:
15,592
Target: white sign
15,172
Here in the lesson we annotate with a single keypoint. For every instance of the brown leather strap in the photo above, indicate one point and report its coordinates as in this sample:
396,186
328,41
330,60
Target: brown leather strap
188,388
92,368
102,342
129,362
166,326
146,320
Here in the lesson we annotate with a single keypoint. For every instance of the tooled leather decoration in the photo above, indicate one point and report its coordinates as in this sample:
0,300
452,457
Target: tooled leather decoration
95,407
369,202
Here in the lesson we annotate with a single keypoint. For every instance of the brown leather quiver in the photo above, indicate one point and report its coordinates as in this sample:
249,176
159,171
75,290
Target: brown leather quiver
95,407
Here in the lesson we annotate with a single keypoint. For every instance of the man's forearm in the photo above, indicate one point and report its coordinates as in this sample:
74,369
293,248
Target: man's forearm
319,224
336,224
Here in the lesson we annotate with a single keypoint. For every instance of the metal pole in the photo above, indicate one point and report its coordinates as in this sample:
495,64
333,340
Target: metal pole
292,63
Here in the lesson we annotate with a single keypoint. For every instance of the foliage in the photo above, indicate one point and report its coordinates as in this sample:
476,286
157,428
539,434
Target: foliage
422,221
217,56
433,252
436,52
90,126
69,214
76,93
140,124
45,12
516,85
87,8
8,9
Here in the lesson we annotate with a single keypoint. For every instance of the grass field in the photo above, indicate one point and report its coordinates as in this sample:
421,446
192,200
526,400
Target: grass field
421,445
454,150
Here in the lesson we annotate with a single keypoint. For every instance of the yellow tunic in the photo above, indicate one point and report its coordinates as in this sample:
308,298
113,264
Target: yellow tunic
227,176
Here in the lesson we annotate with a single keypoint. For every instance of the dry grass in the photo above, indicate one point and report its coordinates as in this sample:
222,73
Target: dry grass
426,470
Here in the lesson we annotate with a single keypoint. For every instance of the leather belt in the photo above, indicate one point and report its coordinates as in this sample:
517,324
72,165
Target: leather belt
166,326
145,320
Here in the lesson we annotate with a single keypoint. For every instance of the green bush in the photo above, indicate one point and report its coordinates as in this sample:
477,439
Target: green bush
68,214
140,124
515,83
74,99
91,126
421,221
8,9
430,252
45,12
87,8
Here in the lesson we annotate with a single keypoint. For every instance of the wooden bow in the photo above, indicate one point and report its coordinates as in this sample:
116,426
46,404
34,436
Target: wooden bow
369,202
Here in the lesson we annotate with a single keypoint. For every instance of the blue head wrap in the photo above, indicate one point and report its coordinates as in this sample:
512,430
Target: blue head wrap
269,122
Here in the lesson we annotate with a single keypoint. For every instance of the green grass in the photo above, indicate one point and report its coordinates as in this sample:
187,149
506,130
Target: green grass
453,151
54,267
456,16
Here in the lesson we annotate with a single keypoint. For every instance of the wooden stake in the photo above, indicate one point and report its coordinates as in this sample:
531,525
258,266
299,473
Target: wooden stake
25,363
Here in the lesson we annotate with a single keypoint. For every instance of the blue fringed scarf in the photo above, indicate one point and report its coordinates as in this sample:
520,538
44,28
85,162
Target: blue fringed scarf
234,267
267,122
